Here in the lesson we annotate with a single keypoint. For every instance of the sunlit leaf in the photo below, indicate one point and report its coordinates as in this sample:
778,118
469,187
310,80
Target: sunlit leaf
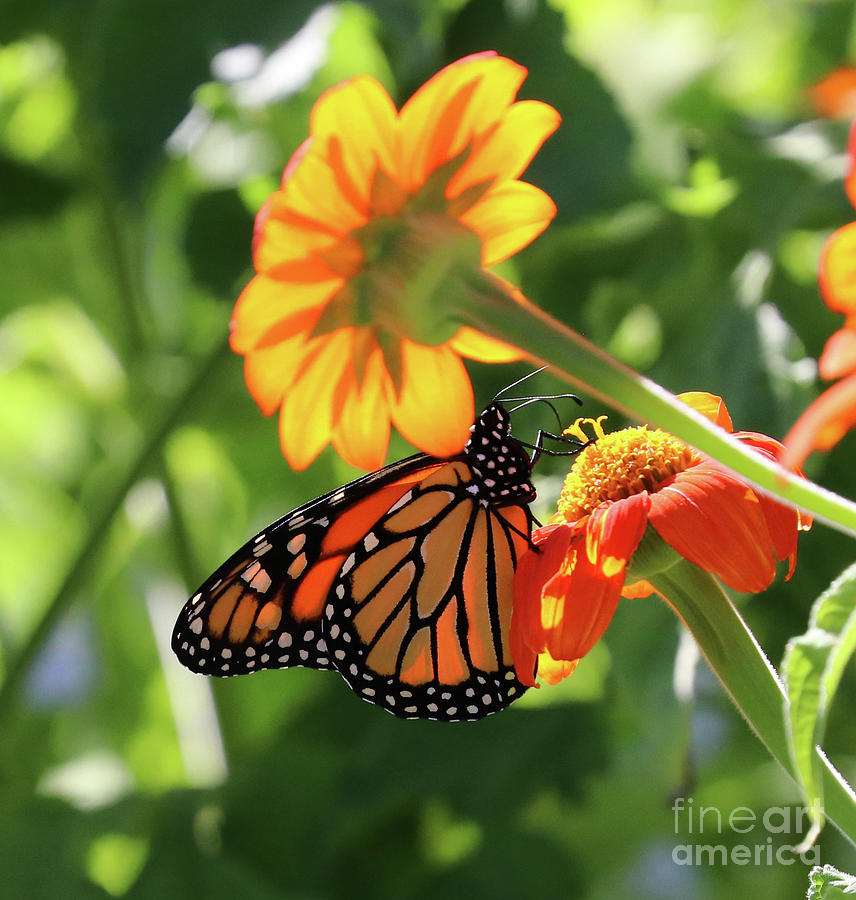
813,665
827,883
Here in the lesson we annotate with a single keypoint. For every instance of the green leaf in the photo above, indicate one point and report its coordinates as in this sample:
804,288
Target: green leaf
827,883
812,668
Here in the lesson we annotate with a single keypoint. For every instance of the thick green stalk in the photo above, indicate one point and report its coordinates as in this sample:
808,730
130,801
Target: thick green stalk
100,523
587,367
746,674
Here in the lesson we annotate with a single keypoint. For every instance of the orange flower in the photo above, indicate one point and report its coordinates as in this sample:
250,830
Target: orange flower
566,591
834,96
833,413
381,218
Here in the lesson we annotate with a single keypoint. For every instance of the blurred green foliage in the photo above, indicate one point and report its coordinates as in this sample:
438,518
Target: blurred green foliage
137,140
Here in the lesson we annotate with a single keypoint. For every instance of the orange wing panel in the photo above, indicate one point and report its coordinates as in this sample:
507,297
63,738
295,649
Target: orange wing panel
242,620
440,551
223,608
371,571
451,665
419,511
384,655
479,636
369,619
418,666
505,575
355,523
311,593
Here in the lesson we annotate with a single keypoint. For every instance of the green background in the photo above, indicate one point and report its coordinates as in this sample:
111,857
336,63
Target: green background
695,188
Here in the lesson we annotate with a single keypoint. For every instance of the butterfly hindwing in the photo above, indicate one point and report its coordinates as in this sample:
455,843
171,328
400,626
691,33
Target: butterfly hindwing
419,618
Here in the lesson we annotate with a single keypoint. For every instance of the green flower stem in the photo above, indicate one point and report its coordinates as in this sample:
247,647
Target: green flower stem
746,674
101,522
588,368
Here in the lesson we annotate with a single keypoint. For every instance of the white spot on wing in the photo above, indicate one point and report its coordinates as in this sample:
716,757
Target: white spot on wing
402,500
296,543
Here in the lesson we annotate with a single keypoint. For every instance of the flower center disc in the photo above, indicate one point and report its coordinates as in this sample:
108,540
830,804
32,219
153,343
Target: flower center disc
620,464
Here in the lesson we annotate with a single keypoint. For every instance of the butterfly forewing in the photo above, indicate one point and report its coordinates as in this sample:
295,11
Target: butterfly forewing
262,608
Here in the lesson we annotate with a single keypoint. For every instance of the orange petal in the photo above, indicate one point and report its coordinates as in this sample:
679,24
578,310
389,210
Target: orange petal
284,243
638,589
585,600
313,401
450,109
435,407
362,114
716,521
577,606
839,355
784,522
508,149
762,443
265,303
475,345
269,372
837,270
834,96
823,424
554,670
361,435
508,218
613,533
319,189
526,636
850,177
710,406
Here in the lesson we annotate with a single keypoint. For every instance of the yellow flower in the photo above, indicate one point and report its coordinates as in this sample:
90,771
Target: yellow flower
381,217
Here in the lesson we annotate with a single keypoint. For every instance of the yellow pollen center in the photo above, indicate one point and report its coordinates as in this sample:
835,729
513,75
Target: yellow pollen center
620,464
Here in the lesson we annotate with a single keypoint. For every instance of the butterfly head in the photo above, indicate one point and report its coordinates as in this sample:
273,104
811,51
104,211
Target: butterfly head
499,462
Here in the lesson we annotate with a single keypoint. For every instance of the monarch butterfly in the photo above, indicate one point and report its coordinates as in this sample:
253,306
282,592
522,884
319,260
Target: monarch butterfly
400,580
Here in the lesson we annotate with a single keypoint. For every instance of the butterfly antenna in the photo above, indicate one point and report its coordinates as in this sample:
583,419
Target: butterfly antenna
508,387
524,400
530,400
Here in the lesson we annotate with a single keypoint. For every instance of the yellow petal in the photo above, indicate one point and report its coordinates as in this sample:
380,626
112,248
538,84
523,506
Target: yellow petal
361,112
509,149
710,406
475,345
319,190
265,303
269,372
508,218
313,402
284,239
361,436
435,408
450,109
